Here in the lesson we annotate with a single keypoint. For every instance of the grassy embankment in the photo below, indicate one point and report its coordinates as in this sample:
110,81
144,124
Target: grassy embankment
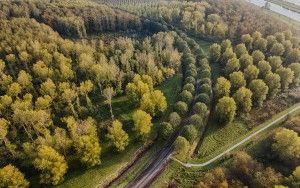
112,162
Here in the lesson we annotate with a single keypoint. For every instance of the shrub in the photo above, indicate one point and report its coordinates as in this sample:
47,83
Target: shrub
166,130
181,107
190,133
174,119
186,96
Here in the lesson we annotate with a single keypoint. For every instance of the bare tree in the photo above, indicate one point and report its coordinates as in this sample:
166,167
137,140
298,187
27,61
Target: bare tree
109,93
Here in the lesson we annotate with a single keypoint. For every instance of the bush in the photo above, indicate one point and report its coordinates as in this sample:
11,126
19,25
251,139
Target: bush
186,96
204,98
190,80
166,130
181,107
200,108
190,133
196,120
182,147
174,119
189,87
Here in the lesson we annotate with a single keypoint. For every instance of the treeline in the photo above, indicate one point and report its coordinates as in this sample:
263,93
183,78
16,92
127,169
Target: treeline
279,168
72,18
51,89
255,69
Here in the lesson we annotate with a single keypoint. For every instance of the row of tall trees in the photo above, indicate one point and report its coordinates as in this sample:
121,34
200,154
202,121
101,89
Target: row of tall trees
254,70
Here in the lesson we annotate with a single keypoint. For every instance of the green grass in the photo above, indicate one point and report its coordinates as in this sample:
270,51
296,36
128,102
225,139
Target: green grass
112,162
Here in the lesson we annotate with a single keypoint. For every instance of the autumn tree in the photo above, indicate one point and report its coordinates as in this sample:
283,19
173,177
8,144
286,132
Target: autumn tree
142,123
232,65
222,87
264,68
10,176
295,67
215,51
109,93
52,165
182,147
240,50
273,82
226,110
257,56
286,77
243,99
260,91
245,61
118,136
154,102
237,80
251,73
275,62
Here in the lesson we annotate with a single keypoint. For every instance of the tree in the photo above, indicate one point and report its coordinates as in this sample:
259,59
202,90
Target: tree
200,108
243,99
251,73
189,87
142,123
237,80
228,54
257,56
52,165
295,177
277,49
264,68
260,44
293,56
109,93
203,98
232,65
245,61
273,82
225,110
222,87
286,144
181,107
226,44
240,50
10,176
186,96
215,178
286,77
295,67
215,52
166,129
174,119
248,40
190,133
197,120
275,62
153,102
182,147
118,136
259,90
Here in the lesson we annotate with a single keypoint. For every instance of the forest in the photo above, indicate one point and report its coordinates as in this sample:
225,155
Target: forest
103,93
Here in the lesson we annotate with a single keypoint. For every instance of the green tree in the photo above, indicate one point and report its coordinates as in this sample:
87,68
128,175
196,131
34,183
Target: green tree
118,136
237,80
166,129
52,165
286,145
277,49
257,56
286,77
174,119
215,52
186,96
245,61
259,90
260,44
251,73
293,56
295,67
153,102
243,99
247,40
264,68
200,108
275,62
222,87
182,147
232,65
190,133
228,54
273,82
10,176
226,110
240,50
181,107
142,123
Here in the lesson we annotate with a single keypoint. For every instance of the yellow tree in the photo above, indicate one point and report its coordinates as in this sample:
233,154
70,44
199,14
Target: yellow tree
118,136
142,123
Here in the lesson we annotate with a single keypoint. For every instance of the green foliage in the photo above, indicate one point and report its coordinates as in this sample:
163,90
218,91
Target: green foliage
174,119
52,165
166,129
273,82
181,107
197,120
215,51
225,110
251,73
182,147
237,80
257,56
243,99
118,136
222,87
295,67
10,176
260,91
189,87
245,61
190,133
186,96
286,77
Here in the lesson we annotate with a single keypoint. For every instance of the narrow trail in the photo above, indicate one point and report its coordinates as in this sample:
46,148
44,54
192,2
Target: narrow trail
295,108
